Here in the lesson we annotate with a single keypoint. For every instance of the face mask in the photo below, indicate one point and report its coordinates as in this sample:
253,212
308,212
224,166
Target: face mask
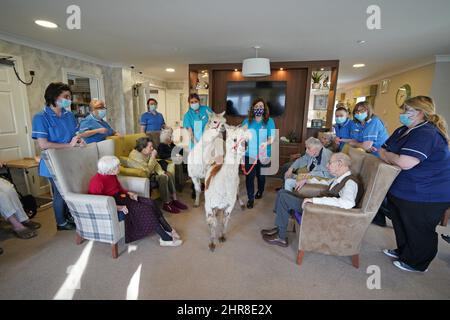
195,106
340,120
405,119
101,113
64,103
361,116
258,112
152,107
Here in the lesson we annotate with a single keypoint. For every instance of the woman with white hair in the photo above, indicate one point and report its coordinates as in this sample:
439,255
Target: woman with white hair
142,216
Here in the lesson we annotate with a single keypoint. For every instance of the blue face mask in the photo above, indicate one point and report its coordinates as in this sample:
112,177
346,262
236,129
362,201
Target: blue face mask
405,119
101,114
64,103
340,120
152,107
258,112
195,106
361,116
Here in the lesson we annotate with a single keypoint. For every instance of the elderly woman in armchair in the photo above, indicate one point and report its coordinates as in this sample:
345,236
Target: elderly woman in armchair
141,215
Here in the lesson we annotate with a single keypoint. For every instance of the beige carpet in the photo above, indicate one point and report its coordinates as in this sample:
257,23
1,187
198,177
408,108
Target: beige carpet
242,268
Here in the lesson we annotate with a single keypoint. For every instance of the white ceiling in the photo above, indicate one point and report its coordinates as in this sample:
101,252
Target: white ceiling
156,34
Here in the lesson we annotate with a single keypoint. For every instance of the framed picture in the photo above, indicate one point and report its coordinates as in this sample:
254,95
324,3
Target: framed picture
385,85
320,102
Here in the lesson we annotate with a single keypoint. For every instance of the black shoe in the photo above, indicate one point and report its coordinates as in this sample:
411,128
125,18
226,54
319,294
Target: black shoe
274,239
67,226
446,237
269,232
258,195
250,204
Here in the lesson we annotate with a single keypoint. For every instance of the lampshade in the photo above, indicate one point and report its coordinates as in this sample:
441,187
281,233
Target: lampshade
256,67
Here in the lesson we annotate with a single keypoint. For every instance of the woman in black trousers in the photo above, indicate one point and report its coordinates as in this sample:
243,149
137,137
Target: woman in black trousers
420,195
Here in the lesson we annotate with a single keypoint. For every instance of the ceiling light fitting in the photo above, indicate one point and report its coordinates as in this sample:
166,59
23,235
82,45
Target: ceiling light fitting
256,67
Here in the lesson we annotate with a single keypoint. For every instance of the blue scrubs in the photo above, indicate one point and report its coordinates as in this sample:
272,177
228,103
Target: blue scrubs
46,124
152,121
261,132
373,130
429,181
343,131
92,123
196,120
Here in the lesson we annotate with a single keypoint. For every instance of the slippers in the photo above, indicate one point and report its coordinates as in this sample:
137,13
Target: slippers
25,233
31,224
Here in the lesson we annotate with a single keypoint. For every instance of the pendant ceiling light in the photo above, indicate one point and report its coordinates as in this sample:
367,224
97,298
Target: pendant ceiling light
256,67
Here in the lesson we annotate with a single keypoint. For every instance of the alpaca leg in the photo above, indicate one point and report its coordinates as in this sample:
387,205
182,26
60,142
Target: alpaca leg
198,190
241,203
212,223
226,219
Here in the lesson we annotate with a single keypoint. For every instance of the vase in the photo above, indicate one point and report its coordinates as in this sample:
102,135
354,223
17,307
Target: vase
316,85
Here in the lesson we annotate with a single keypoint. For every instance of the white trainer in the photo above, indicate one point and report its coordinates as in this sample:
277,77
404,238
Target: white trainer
173,234
172,243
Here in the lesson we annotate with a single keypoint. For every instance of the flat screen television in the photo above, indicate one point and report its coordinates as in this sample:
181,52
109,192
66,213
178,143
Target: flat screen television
240,95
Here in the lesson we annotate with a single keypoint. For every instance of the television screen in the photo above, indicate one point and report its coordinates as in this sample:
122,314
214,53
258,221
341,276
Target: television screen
240,95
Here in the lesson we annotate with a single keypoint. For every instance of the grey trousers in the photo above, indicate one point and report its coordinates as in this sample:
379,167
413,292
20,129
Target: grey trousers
285,202
10,203
166,185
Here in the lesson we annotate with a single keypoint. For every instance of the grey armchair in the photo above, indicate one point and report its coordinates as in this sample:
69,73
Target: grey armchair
95,216
336,231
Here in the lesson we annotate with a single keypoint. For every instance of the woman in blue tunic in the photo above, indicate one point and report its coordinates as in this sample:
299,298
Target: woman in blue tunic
367,131
263,130
420,194
55,128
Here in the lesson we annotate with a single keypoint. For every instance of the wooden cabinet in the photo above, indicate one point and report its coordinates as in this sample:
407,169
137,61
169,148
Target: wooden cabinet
288,149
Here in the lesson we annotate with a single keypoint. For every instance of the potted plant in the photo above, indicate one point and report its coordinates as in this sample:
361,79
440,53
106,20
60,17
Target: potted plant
316,77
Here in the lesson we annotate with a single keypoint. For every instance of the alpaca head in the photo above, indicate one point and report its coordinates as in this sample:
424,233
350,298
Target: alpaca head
237,138
216,121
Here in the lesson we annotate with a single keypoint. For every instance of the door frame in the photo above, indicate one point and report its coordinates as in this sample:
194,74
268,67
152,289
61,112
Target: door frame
78,73
25,104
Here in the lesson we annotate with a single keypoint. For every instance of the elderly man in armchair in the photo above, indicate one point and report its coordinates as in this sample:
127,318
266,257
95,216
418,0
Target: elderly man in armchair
312,164
344,191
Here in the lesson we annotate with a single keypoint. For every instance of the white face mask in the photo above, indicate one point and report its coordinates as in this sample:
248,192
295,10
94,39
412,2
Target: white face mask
195,106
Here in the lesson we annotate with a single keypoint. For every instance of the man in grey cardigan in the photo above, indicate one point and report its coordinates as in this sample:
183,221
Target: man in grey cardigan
315,161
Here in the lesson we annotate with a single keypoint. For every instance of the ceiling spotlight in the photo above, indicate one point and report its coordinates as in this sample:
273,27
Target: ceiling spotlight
46,24
322,69
361,41
281,69
170,70
359,65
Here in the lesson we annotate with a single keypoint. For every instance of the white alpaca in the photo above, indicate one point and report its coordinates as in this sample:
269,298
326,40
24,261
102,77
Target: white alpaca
202,156
222,183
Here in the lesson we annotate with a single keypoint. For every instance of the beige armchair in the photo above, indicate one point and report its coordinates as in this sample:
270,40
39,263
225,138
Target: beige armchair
95,216
336,231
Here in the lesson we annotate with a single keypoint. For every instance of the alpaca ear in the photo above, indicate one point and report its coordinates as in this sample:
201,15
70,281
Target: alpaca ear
245,126
222,114
209,113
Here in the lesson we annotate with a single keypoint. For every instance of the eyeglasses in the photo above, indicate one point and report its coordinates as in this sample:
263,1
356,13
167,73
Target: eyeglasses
330,162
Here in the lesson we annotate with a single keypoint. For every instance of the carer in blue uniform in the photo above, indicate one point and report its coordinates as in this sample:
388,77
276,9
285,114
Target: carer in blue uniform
420,194
367,131
93,128
55,128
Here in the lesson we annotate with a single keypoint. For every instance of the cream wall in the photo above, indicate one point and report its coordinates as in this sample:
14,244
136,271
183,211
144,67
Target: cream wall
441,89
117,81
420,80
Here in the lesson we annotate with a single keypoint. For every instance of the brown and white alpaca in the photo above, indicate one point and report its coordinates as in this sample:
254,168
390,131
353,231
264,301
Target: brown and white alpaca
222,184
202,156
